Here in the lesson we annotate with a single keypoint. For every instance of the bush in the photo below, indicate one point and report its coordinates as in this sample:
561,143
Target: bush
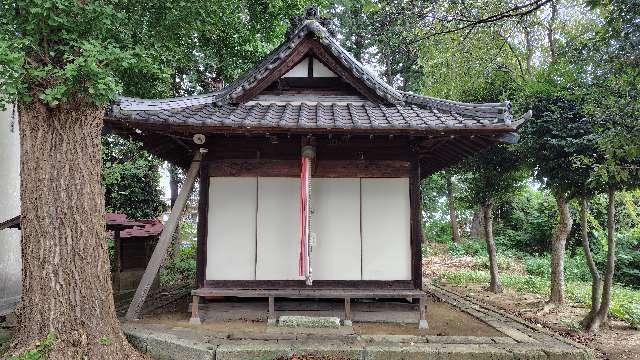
575,267
468,247
504,262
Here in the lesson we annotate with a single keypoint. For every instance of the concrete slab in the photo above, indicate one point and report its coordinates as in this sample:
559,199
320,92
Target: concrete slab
252,350
312,322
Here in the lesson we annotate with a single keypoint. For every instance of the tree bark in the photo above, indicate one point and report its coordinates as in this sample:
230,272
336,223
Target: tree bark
477,224
529,48
174,183
550,32
66,283
601,317
596,281
494,285
453,219
558,242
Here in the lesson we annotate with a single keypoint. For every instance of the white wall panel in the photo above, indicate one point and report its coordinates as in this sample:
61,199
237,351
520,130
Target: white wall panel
278,228
231,235
336,222
386,250
300,70
319,70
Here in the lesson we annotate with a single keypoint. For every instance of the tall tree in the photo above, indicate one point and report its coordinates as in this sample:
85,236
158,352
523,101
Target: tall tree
62,61
491,178
558,134
612,104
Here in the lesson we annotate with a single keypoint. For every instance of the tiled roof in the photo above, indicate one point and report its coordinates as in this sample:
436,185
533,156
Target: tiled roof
398,110
315,112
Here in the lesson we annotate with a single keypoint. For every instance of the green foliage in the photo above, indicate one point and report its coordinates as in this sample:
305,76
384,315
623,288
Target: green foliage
182,267
467,248
40,350
91,51
131,179
556,136
493,176
105,340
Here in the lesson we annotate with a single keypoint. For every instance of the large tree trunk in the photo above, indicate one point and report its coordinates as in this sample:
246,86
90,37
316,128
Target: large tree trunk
558,242
601,317
494,285
453,219
66,285
596,281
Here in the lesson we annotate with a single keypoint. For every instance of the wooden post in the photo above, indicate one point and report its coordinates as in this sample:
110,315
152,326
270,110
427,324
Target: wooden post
117,254
135,308
423,324
195,314
271,317
203,211
415,201
347,312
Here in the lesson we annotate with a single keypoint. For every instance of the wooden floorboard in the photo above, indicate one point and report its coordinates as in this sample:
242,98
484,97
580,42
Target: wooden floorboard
312,293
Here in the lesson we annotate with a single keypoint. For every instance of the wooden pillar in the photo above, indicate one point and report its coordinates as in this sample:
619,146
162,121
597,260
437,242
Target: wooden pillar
347,312
415,203
203,214
271,317
160,252
195,313
423,324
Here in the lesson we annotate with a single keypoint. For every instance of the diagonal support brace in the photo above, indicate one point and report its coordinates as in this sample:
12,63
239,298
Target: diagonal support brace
160,252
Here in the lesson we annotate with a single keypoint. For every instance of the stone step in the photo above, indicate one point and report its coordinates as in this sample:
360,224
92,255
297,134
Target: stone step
295,321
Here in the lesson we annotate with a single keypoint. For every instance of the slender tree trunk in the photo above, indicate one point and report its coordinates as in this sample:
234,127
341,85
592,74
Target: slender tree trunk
453,219
551,31
558,242
174,182
494,285
477,224
596,281
66,284
529,48
601,317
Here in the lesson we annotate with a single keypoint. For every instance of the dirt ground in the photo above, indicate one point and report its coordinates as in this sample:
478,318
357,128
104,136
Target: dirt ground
444,320
618,342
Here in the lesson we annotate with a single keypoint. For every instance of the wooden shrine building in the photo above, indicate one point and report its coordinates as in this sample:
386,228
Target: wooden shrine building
309,168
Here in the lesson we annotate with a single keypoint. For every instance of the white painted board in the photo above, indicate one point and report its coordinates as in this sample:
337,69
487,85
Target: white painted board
386,249
278,245
336,223
300,70
231,235
320,70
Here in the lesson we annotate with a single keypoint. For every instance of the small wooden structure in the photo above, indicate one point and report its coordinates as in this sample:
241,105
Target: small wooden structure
370,146
134,241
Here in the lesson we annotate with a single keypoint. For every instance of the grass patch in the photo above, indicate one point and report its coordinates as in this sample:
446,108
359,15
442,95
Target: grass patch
625,302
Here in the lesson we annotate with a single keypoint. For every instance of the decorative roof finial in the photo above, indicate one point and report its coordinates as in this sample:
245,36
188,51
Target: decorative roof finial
311,13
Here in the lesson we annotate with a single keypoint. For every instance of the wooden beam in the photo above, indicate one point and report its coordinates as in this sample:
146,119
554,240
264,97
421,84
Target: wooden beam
159,253
415,201
203,211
